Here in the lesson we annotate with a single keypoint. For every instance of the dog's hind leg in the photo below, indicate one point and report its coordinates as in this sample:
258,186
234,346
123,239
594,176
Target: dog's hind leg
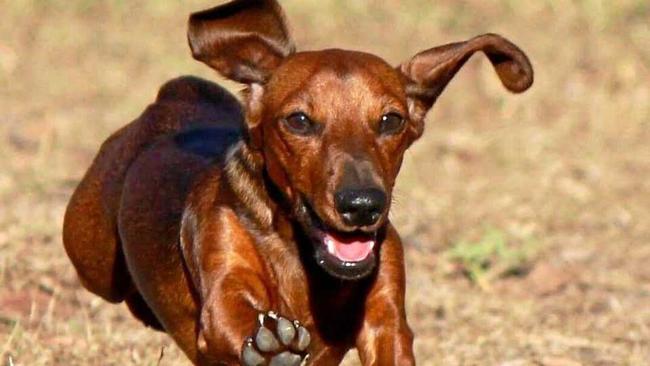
93,245
91,241
141,310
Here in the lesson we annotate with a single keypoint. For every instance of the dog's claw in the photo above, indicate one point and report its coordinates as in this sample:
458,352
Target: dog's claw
250,357
286,331
265,340
286,359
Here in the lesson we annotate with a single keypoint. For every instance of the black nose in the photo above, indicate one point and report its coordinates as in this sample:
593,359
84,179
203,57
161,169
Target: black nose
360,207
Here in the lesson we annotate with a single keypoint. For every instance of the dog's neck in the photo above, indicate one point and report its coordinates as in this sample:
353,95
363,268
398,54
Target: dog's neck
259,203
244,173
258,199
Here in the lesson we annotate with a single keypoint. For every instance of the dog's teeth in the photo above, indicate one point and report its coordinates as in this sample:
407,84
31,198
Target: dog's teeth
286,331
330,246
250,357
286,359
265,340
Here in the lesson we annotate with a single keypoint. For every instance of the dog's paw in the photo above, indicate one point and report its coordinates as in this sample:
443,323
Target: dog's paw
276,342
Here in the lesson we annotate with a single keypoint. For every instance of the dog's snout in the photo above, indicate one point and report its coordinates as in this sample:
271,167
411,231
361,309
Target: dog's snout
360,207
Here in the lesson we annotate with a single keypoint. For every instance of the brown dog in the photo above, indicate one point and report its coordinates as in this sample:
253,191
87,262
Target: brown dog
220,226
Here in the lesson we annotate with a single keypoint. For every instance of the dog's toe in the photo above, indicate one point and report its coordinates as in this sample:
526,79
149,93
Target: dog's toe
304,338
286,331
286,359
265,340
250,356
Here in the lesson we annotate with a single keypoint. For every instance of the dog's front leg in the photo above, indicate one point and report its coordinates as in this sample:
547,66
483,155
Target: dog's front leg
235,329
385,338
236,324
229,316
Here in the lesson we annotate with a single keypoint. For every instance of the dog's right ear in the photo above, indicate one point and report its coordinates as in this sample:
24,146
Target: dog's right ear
244,40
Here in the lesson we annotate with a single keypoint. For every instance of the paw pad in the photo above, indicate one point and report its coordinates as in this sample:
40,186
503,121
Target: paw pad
276,342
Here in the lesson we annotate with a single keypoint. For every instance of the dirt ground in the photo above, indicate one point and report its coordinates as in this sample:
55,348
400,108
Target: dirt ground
525,218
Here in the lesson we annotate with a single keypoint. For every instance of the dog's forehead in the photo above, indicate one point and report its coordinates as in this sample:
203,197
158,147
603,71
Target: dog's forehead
335,73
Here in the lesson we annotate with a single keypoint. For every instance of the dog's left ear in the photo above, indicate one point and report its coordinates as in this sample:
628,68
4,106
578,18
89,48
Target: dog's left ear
428,73
244,40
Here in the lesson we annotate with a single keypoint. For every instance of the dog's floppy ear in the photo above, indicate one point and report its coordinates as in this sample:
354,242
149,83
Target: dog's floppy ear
244,40
428,73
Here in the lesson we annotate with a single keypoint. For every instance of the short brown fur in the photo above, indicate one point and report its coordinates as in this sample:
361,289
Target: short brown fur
198,213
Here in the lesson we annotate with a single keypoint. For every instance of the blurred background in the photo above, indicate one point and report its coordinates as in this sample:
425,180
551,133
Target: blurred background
525,217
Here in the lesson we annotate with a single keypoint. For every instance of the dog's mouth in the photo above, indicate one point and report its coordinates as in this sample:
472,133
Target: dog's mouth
344,255
349,248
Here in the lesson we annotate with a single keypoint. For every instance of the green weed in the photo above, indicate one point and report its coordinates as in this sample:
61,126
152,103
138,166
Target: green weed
493,255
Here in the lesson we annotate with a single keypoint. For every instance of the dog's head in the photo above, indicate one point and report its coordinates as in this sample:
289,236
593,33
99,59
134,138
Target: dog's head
333,125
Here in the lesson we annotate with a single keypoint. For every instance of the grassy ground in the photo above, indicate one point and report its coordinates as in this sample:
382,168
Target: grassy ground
525,217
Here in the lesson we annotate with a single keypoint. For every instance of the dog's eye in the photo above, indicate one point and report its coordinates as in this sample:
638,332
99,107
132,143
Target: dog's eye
299,124
391,123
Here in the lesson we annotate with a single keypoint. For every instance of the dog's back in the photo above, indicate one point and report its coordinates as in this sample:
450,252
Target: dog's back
191,123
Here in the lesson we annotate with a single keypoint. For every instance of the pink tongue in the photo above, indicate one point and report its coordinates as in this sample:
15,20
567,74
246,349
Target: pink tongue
352,250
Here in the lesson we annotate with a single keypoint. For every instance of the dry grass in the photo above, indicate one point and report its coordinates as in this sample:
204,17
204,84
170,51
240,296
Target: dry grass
565,166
